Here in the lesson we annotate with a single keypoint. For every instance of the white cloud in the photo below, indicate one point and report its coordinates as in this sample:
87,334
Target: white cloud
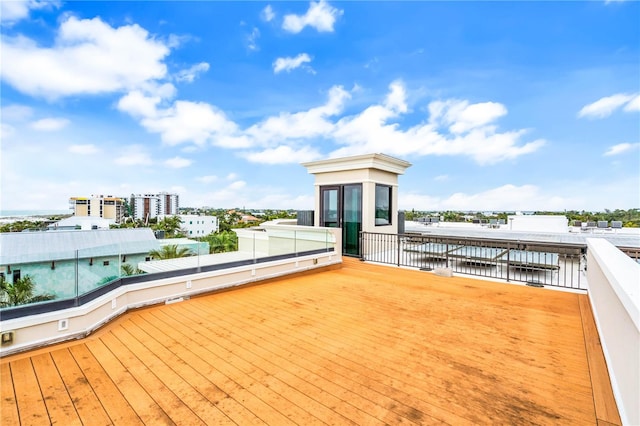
633,104
320,16
88,57
504,198
300,125
396,100
138,104
232,176
606,106
441,178
462,117
621,148
190,74
133,155
182,122
50,124
283,155
252,39
12,11
372,131
15,113
287,64
87,149
177,163
176,40
239,184
207,179
267,13
452,127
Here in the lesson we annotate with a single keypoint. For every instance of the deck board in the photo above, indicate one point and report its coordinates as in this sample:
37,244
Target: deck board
61,409
89,407
8,405
31,408
363,344
140,401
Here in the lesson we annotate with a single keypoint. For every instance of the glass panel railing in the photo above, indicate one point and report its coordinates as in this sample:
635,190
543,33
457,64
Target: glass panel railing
45,275
38,275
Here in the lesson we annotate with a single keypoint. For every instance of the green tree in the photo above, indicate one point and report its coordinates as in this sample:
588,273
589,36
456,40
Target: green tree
20,292
171,225
21,225
223,242
170,251
128,269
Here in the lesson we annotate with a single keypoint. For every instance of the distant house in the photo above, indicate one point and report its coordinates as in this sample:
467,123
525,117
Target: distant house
247,218
52,259
197,225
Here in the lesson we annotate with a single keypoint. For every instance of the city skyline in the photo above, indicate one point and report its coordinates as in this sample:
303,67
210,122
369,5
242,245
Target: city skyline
498,106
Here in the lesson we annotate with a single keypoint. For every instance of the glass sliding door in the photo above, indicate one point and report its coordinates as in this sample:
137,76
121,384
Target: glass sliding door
352,218
341,207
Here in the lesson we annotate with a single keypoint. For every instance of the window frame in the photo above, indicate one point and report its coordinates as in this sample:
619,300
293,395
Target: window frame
389,218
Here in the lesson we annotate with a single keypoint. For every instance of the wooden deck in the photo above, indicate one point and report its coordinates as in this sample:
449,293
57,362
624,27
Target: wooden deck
362,345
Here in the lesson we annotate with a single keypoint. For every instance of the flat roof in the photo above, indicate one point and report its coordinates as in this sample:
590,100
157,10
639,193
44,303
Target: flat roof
367,161
441,229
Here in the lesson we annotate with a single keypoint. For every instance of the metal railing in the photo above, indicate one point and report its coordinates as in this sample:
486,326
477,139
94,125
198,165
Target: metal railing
534,263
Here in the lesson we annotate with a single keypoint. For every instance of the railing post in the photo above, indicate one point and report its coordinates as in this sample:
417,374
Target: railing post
77,272
508,254
446,254
398,244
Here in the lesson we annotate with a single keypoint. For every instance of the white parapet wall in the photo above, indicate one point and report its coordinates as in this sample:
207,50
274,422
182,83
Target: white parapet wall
284,237
34,331
538,223
614,292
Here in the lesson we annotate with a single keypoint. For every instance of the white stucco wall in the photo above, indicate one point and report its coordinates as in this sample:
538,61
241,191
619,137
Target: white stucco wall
538,223
614,292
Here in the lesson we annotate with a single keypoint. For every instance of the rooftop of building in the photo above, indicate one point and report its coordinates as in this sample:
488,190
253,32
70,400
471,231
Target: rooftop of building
25,247
624,237
357,344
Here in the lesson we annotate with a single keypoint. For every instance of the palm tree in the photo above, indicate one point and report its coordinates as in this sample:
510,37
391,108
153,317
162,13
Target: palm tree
20,292
222,242
171,251
170,225
127,269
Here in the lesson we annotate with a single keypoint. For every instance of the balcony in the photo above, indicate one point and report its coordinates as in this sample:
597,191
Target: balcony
356,344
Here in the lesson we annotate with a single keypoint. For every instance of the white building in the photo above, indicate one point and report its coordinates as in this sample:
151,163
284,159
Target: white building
196,225
98,206
168,204
148,206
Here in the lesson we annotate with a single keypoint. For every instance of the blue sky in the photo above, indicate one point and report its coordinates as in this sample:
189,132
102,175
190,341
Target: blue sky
498,105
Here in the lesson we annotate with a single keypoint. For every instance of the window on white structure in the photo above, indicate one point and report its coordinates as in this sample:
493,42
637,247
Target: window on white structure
383,205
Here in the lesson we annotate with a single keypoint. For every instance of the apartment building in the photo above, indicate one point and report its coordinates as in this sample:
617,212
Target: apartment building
147,206
197,225
106,207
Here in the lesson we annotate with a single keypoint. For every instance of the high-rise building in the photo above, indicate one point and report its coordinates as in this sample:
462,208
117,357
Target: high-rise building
106,207
148,206
168,204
